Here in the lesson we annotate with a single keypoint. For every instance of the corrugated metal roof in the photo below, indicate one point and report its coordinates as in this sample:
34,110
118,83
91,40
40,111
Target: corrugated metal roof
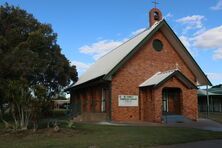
202,92
157,78
216,89
106,63
161,77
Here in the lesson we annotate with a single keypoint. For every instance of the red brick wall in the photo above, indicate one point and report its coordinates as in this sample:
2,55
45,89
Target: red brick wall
91,98
147,104
145,63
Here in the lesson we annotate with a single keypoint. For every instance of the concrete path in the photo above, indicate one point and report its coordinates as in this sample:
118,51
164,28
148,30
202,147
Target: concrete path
204,124
199,144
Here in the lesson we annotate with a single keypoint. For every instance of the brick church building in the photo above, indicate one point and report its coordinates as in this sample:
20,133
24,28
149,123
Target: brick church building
144,79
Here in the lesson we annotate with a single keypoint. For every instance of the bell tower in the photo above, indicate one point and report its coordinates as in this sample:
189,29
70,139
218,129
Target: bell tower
155,15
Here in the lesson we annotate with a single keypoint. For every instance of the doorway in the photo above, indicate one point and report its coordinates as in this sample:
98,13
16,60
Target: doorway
171,101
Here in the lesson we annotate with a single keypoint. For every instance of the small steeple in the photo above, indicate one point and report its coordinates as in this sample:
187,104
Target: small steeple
155,14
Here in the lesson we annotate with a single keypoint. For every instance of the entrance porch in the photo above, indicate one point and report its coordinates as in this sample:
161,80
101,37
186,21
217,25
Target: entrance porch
168,94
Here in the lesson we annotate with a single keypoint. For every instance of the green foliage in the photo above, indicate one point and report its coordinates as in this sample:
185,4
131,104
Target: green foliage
32,67
29,51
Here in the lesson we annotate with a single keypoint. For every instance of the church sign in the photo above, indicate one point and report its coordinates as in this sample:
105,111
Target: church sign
128,100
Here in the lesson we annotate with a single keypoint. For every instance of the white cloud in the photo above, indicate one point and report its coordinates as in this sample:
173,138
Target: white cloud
192,22
138,31
215,76
218,6
102,47
200,31
169,15
185,40
218,54
209,39
81,67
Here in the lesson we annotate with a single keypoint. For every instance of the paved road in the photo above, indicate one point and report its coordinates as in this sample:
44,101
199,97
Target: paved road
200,144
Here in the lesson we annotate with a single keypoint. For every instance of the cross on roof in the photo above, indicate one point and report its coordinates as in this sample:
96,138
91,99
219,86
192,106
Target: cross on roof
155,3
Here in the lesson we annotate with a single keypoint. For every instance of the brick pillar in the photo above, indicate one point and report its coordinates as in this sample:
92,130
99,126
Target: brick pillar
157,95
98,99
93,99
141,99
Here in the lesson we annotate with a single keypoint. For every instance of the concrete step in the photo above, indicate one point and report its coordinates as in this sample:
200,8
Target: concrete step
175,119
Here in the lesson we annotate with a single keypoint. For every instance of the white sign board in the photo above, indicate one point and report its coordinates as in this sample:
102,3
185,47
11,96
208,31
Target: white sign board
128,100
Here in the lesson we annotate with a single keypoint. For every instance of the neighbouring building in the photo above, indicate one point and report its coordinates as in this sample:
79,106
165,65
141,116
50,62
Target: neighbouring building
144,79
215,99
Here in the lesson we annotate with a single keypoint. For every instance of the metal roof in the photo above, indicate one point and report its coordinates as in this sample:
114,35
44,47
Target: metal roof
106,63
216,89
157,78
202,92
161,77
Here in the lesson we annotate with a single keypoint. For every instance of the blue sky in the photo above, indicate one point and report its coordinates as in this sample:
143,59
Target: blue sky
87,29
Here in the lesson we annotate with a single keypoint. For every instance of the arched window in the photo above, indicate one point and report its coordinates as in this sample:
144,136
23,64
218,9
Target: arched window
156,15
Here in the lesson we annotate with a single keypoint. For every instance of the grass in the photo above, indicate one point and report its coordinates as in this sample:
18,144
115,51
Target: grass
213,116
99,136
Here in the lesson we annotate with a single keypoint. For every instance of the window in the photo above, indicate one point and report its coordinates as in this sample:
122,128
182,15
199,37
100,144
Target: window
157,45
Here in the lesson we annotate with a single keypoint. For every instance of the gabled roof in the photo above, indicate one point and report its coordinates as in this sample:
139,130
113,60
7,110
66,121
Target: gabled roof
157,78
161,77
107,65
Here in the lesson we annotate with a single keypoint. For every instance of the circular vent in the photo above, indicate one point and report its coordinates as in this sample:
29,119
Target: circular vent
157,45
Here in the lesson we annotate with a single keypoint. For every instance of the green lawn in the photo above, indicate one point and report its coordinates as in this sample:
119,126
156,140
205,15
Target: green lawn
99,136
213,116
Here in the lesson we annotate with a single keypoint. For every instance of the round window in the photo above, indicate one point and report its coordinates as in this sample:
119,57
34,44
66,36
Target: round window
157,45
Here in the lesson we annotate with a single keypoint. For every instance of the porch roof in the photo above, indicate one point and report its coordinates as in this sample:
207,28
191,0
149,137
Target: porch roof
161,77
